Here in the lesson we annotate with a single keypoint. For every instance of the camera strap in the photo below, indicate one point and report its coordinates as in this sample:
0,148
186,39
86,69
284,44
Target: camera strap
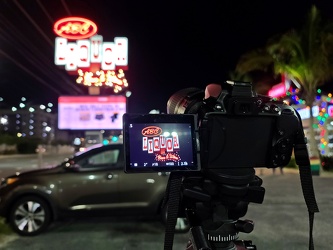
172,201
303,162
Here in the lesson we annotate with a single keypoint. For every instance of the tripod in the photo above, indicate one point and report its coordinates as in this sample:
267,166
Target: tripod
213,202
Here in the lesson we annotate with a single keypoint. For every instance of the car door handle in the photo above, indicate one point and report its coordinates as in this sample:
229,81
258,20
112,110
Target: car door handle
164,173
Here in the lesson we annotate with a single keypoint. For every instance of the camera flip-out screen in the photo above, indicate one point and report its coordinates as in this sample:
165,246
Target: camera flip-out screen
158,142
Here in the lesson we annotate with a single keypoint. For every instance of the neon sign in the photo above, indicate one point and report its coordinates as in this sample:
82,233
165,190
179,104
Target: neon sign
151,131
103,78
75,28
163,145
84,53
277,90
97,63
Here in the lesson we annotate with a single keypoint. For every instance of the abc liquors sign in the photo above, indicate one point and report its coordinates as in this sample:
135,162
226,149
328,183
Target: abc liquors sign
79,47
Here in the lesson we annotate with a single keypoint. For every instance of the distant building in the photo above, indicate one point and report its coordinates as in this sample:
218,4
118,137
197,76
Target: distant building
33,121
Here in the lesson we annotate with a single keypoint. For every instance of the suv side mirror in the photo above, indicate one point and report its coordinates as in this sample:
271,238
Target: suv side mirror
72,165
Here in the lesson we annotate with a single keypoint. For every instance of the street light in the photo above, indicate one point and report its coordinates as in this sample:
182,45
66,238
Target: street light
3,120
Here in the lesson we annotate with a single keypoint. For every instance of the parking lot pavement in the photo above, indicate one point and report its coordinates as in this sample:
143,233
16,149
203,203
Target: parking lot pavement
282,219
281,222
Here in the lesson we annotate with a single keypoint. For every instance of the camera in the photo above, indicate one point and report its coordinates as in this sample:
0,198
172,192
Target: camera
235,129
211,141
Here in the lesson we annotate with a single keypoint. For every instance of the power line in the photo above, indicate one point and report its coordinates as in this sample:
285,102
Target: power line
30,72
32,54
66,7
45,11
34,23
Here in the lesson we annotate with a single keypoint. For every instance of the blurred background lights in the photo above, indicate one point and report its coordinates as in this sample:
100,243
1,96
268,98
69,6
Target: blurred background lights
3,120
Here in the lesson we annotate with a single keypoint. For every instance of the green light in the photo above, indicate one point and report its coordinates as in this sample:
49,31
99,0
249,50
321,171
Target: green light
319,91
105,142
114,138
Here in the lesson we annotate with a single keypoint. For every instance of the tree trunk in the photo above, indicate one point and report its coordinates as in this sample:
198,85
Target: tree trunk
313,151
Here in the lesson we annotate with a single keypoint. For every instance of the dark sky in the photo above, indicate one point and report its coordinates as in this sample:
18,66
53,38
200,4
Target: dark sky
172,44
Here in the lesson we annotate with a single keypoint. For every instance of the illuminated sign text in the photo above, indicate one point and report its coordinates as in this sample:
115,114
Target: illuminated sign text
84,53
75,28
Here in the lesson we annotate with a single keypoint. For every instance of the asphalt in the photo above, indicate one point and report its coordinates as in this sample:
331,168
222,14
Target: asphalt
280,222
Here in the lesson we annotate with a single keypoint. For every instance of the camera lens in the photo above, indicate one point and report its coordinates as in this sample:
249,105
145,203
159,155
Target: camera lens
185,101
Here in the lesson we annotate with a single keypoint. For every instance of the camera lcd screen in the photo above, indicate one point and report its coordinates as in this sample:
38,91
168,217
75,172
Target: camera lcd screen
158,142
239,141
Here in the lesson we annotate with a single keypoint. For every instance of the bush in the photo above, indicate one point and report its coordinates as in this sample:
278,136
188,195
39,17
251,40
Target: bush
4,227
292,163
326,163
7,139
27,146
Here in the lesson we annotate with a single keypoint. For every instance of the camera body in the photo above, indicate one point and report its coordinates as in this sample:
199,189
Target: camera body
236,129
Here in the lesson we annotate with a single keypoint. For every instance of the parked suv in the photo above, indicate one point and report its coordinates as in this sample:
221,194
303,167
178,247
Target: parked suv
92,181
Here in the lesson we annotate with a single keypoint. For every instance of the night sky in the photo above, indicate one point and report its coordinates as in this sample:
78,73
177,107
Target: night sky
172,44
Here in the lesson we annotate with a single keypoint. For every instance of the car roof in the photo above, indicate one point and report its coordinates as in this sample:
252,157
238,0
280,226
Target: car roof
96,147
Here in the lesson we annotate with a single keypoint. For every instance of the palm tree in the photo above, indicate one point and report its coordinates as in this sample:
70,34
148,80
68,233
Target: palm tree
305,57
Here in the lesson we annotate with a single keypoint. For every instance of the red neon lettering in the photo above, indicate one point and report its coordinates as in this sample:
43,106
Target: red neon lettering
175,141
151,131
121,51
145,143
96,49
150,146
83,53
168,157
60,55
74,28
162,141
71,57
108,53
156,144
108,61
169,144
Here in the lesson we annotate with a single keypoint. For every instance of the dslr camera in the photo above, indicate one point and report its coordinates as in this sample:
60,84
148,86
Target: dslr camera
211,143
236,129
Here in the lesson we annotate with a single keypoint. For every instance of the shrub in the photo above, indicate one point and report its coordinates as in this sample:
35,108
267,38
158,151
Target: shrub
7,139
292,163
4,227
326,162
27,146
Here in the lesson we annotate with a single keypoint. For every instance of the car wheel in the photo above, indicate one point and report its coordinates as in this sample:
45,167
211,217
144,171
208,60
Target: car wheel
182,224
30,216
